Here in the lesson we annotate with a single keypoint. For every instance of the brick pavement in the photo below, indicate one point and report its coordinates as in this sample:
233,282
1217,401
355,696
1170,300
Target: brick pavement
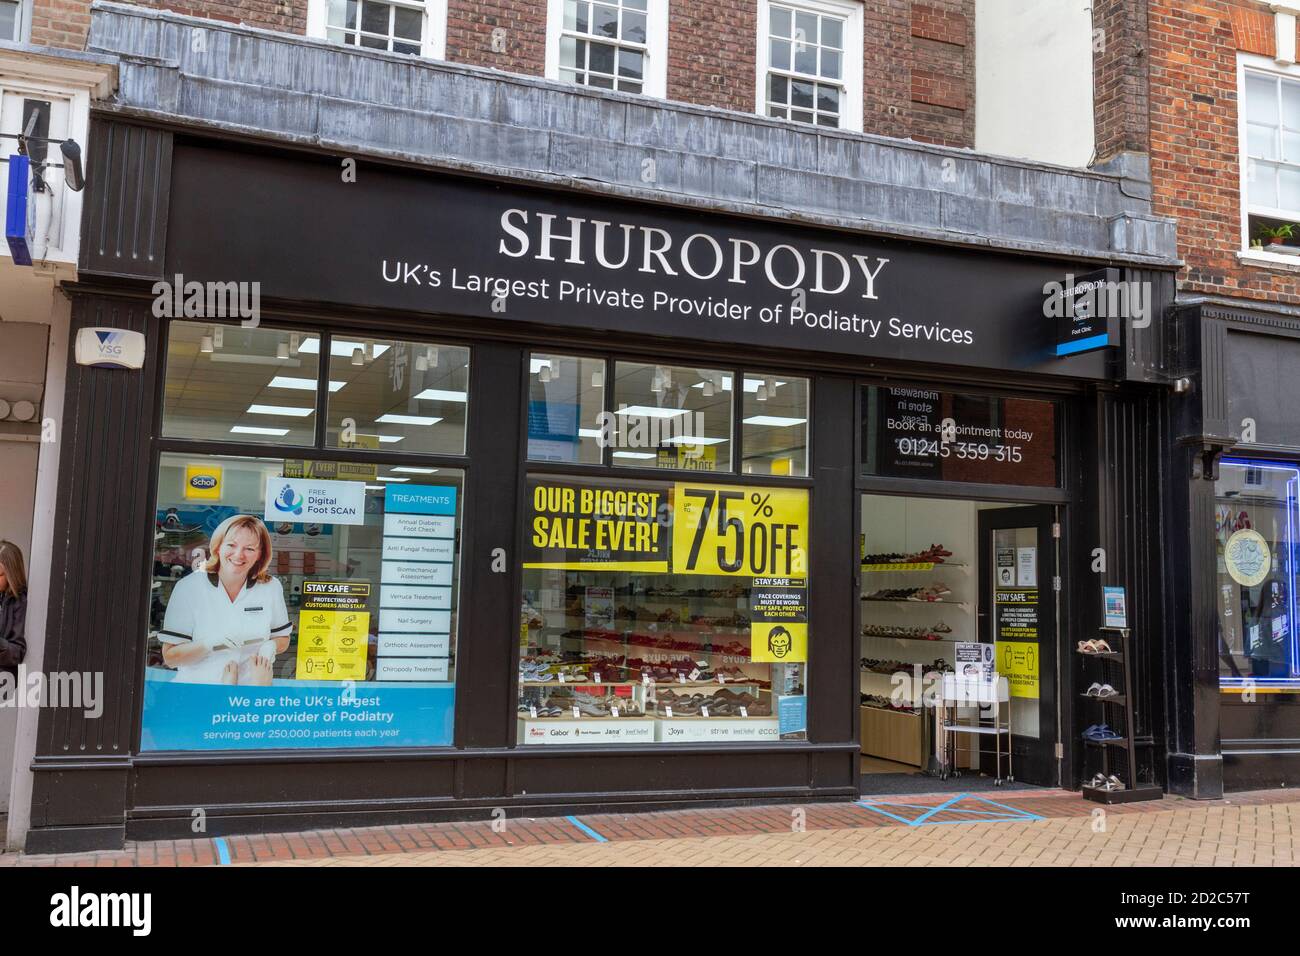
1025,828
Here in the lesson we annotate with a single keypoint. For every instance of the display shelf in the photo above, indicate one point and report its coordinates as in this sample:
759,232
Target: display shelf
1117,742
906,566
669,684
575,683
900,637
1118,699
1100,795
906,601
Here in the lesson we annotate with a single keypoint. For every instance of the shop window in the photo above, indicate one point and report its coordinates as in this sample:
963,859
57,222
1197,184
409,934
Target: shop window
609,44
402,396
566,396
1256,522
663,612
302,604
810,62
1271,161
671,416
228,383
948,436
417,27
775,421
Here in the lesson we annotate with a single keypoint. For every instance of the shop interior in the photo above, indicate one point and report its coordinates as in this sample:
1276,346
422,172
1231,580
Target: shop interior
920,563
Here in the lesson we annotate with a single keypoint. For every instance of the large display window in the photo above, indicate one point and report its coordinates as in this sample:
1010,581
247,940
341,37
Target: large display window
1256,521
661,612
304,599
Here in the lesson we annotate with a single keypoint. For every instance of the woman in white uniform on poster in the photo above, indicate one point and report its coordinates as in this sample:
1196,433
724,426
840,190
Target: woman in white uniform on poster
227,621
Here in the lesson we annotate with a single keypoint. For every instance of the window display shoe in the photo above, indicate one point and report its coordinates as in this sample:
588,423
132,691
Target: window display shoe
1100,732
1107,691
1114,783
1094,690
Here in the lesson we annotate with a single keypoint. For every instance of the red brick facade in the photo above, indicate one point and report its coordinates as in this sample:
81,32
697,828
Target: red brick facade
1195,167
918,57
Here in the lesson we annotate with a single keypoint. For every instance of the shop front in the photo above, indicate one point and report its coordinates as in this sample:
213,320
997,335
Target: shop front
440,495
1240,725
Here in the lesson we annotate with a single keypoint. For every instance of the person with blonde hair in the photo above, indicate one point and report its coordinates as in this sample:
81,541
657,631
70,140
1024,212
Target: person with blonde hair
13,607
227,621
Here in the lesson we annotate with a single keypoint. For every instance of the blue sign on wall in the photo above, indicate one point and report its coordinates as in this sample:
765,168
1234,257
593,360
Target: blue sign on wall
17,218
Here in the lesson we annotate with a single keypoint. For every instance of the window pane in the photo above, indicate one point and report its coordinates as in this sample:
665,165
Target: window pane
374,43
408,24
801,93
1288,188
672,417
1261,141
569,52
628,635
410,48
601,58
1290,147
601,82
294,606
570,15
635,4
805,28
629,86
776,112
800,116
805,59
830,64
779,54
775,419
634,27
1290,105
631,64
781,22
1261,99
833,32
374,17
8,21
828,98
343,13
566,396
604,21
228,383
1261,184
827,119
338,36
778,88
399,396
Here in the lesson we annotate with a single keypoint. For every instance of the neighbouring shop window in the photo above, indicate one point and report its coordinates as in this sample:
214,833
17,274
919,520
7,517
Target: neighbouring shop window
912,432
810,62
609,44
663,612
417,27
775,420
228,383
302,604
1256,522
1272,160
404,396
672,416
566,396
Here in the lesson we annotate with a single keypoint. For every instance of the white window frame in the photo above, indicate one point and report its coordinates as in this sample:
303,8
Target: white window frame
1255,63
433,45
24,22
655,80
848,10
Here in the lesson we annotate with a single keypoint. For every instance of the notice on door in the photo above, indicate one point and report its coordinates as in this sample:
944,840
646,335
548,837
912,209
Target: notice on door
1018,653
1018,663
333,631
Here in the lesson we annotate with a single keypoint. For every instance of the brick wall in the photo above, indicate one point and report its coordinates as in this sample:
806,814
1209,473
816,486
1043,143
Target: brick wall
1194,144
470,28
1119,76
918,57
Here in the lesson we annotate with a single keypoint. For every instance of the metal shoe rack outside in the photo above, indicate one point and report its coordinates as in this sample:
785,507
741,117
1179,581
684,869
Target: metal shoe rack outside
1116,663
992,703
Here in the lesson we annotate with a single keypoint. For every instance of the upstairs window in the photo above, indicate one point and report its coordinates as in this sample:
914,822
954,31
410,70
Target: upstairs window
415,27
609,44
810,63
1270,125
11,20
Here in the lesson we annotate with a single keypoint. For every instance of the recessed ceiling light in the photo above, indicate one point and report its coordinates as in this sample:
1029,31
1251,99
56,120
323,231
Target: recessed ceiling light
692,440
254,430
412,470
301,384
389,478
286,410
650,411
391,439
774,421
340,348
589,433
391,419
634,454
443,395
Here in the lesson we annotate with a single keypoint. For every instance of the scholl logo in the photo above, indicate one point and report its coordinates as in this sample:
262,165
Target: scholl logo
287,501
203,482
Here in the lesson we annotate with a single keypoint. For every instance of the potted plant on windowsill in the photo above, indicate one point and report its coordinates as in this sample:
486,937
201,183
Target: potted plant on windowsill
1276,235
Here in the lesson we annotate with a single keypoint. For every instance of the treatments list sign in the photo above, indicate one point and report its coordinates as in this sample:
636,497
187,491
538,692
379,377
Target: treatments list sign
432,243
